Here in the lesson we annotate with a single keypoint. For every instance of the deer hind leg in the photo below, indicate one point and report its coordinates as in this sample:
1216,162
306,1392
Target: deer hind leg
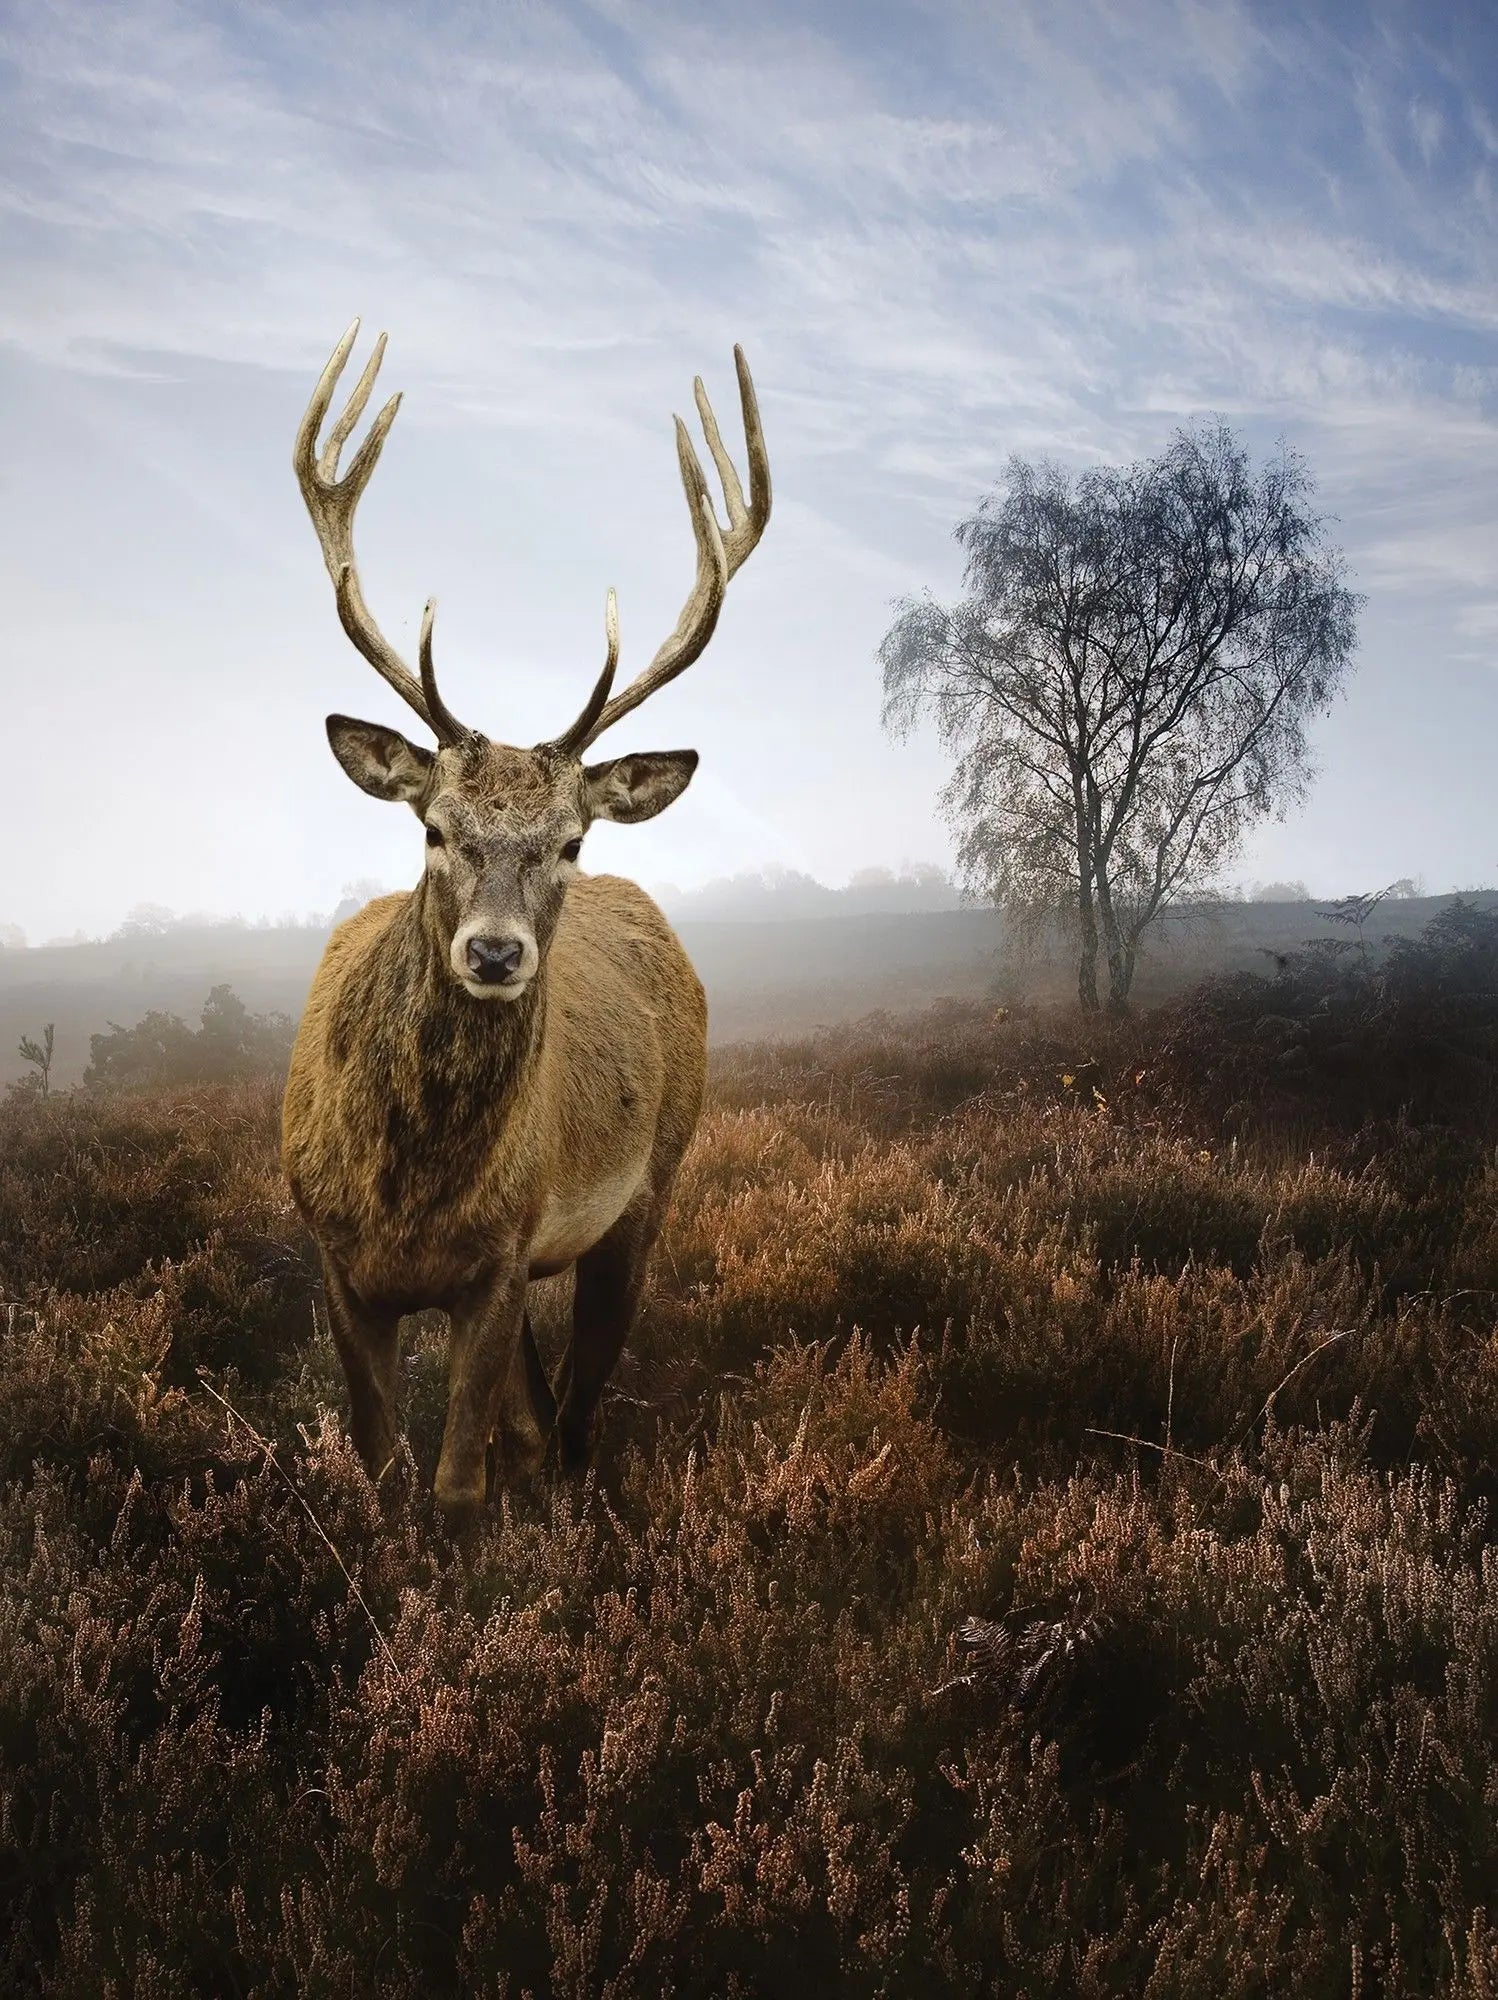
610,1284
526,1416
485,1342
368,1345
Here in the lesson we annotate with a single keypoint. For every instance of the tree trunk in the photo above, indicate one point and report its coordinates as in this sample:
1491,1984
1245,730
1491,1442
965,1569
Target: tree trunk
1120,973
1087,971
1118,997
1120,956
1086,916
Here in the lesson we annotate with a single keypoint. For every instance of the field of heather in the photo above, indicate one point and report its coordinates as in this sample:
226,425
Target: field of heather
1040,1543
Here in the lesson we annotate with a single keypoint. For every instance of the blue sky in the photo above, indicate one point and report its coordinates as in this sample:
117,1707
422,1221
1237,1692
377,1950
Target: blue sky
943,232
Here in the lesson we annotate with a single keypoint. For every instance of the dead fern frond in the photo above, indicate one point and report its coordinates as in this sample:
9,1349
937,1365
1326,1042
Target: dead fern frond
1024,1663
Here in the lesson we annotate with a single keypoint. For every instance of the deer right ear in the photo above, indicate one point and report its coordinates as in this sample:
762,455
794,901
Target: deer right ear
380,761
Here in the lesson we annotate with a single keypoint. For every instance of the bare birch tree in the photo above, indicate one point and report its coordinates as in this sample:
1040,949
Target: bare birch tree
1127,682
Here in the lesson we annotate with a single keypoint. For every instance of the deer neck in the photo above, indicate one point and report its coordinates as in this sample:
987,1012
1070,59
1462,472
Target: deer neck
431,1076
457,1038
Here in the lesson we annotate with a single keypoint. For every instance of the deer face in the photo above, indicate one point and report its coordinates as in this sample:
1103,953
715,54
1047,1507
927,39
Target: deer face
503,833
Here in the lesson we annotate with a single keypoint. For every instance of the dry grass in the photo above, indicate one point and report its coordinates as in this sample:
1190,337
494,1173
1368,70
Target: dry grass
876,1658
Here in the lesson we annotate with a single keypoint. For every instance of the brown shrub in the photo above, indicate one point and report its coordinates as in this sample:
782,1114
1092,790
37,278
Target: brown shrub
1040,1547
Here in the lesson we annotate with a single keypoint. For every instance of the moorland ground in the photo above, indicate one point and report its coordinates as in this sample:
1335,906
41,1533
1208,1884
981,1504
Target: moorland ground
1040,1542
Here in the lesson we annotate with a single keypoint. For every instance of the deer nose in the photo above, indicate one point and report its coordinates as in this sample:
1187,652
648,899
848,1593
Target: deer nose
494,960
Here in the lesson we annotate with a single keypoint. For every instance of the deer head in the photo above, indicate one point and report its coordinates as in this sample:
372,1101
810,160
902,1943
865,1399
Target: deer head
503,825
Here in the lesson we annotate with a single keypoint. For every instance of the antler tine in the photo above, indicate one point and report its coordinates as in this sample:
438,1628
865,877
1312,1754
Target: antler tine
746,524
331,501
446,725
574,739
719,555
327,465
304,451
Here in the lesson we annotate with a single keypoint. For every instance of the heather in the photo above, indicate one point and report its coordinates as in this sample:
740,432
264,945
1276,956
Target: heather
1040,1542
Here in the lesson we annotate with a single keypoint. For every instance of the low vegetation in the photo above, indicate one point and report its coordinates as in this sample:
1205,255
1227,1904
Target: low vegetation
161,1050
1041,1543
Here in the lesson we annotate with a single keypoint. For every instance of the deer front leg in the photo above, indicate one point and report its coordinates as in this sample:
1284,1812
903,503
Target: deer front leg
368,1344
486,1329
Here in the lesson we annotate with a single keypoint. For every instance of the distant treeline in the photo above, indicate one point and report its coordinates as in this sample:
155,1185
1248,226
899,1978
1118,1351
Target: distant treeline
770,893
757,894
764,895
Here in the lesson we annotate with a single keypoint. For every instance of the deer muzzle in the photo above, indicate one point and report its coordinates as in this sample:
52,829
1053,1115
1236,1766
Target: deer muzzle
493,963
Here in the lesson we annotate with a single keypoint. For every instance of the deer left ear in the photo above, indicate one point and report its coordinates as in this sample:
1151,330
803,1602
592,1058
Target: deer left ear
379,760
638,786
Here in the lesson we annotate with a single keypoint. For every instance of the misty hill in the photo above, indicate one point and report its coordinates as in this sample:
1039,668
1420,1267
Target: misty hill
776,975
771,894
786,976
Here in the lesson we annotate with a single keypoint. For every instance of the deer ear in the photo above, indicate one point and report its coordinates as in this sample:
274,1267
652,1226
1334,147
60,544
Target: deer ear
379,760
638,786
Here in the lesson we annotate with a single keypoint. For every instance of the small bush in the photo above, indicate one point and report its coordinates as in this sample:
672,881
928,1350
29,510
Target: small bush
161,1052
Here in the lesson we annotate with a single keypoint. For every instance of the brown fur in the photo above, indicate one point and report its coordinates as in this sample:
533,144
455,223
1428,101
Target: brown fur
446,1149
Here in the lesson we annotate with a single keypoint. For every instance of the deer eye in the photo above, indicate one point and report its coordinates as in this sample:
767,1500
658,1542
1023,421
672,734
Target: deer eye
434,837
572,850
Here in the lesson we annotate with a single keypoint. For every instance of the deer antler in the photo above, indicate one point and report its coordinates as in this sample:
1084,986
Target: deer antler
577,738
331,502
720,555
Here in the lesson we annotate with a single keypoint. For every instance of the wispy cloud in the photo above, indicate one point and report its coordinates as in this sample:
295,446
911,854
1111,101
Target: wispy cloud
1044,228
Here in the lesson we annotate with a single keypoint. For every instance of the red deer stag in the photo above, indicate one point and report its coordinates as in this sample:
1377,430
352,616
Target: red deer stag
497,1074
